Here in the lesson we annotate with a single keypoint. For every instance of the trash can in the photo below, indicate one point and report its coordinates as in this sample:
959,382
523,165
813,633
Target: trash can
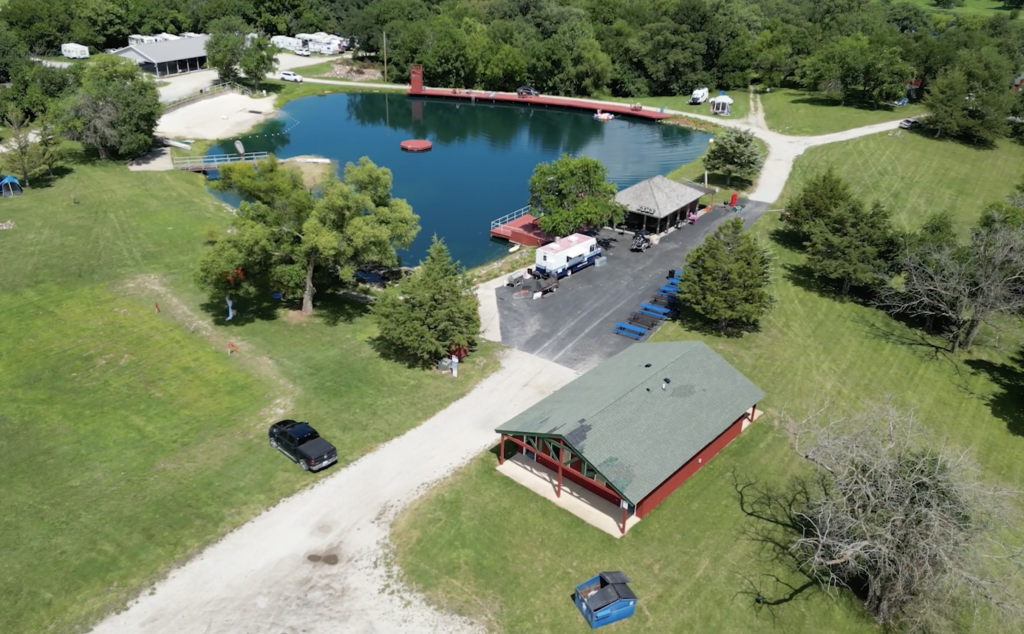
445,364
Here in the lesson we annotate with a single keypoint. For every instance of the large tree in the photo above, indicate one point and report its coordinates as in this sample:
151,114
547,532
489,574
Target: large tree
115,109
258,59
958,288
573,192
734,153
971,100
854,247
226,46
287,233
22,153
727,278
430,313
904,522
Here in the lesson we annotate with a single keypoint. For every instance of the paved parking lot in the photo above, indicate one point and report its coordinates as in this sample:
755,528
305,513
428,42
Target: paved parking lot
573,326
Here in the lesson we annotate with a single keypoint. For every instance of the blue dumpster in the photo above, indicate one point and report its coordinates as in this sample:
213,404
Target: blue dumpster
605,599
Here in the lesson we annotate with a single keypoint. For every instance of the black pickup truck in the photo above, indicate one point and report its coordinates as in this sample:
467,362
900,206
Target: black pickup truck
301,443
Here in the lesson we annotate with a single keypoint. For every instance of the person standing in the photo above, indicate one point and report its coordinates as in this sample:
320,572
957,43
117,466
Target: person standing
455,366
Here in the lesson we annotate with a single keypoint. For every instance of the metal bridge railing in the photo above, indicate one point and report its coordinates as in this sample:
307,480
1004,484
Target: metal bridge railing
185,162
507,218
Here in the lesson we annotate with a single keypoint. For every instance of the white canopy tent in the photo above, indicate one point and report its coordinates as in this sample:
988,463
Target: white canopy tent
722,104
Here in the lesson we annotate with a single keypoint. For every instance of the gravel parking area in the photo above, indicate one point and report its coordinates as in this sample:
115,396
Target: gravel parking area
573,326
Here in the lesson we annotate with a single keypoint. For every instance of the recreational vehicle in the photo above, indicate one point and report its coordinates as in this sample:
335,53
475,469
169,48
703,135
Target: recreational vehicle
74,51
565,256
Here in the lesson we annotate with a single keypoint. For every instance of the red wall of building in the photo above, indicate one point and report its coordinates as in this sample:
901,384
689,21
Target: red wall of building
657,496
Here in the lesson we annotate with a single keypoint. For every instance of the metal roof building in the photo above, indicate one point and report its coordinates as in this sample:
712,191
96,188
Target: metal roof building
637,426
168,57
658,203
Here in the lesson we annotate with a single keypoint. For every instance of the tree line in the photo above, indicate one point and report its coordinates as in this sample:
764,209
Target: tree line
850,50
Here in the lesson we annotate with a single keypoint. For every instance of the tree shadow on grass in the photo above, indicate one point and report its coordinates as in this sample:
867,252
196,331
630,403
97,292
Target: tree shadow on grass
247,310
1008,404
337,308
787,237
691,320
775,525
395,354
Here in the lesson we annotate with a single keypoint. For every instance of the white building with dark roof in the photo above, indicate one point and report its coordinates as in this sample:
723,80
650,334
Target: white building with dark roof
168,57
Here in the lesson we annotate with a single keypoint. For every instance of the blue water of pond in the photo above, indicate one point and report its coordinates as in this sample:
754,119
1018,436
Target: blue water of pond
482,159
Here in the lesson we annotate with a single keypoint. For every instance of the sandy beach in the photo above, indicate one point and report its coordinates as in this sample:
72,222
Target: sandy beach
221,117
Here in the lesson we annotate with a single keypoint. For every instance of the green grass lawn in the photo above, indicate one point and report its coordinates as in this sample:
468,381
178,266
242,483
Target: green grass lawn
740,106
287,91
799,112
694,172
487,547
914,174
976,7
127,442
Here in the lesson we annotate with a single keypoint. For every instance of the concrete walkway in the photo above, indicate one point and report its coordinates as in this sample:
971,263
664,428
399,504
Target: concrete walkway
315,563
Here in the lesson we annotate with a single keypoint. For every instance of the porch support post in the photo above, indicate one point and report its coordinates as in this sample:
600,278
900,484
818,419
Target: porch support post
501,452
753,412
561,455
623,527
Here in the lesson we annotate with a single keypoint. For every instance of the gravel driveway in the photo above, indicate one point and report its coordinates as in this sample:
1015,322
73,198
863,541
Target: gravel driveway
312,564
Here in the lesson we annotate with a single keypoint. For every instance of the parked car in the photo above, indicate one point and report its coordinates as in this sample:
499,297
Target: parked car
302,443
291,76
301,52
907,124
527,91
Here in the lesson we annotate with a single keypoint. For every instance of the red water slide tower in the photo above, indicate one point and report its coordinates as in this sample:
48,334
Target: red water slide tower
416,78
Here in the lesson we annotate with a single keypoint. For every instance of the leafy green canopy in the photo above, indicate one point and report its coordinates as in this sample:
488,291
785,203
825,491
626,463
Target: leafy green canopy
727,278
844,242
287,233
734,153
573,192
431,313
226,47
115,109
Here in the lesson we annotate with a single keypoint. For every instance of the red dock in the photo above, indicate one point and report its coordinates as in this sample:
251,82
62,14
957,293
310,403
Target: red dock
484,96
519,227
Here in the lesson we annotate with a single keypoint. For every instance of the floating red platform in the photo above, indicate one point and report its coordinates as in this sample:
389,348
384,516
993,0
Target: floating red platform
484,96
416,145
523,230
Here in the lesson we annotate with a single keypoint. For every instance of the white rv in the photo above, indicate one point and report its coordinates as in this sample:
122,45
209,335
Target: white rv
286,43
564,256
74,51
699,96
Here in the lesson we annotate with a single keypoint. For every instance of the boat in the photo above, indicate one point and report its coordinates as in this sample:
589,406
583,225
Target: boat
514,248
604,116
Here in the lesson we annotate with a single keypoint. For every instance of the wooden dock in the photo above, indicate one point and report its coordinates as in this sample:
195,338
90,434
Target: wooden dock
485,96
213,162
519,227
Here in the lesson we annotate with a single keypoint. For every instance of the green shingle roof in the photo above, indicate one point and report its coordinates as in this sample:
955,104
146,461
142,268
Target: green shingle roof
636,434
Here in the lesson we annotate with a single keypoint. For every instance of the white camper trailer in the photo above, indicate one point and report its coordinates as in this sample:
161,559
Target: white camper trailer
564,256
286,43
74,51
135,40
699,96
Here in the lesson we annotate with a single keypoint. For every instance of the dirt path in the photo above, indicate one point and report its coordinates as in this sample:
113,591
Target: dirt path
282,398
783,150
317,562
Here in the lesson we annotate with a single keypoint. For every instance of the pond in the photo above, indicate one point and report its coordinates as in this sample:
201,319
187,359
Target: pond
482,159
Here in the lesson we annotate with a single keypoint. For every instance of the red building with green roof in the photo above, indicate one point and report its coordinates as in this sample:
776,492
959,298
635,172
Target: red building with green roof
634,428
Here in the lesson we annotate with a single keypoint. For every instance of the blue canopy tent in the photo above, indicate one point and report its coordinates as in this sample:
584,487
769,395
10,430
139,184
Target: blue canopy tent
9,186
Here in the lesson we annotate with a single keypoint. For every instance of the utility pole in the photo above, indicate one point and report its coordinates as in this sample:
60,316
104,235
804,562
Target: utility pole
385,56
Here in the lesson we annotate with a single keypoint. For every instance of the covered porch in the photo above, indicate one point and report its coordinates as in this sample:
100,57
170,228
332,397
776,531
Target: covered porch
549,468
658,204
